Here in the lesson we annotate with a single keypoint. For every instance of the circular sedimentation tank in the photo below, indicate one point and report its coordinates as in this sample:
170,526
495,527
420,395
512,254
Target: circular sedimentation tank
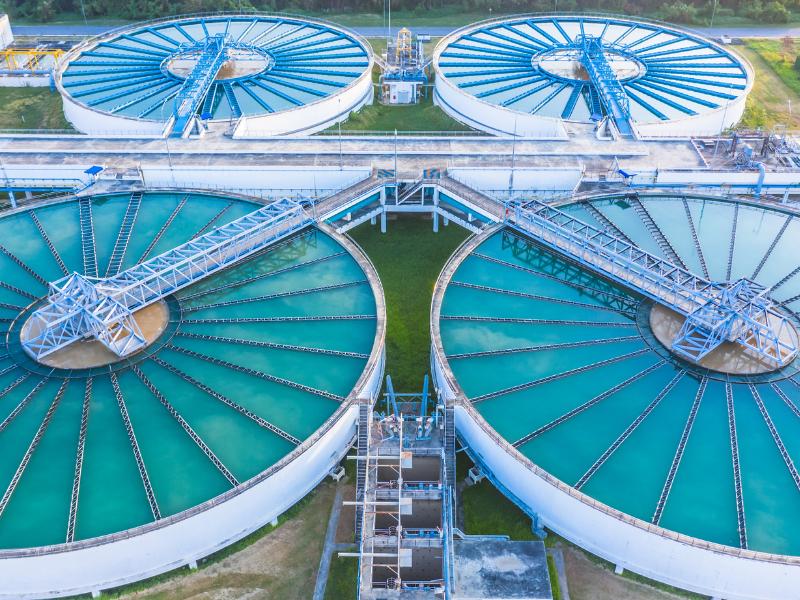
113,470
283,75
567,390
524,76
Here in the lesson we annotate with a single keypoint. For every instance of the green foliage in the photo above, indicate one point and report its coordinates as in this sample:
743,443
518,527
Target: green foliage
680,12
31,108
415,12
342,579
780,59
797,64
408,258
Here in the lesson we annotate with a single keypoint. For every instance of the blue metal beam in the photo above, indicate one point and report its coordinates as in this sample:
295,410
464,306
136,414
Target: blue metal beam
527,93
548,98
139,40
114,46
541,31
515,50
489,58
160,35
649,107
665,76
537,46
688,88
660,98
513,86
520,74
142,59
212,55
271,90
256,97
157,104
605,82
154,92
290,75
660,88
572,101
127,82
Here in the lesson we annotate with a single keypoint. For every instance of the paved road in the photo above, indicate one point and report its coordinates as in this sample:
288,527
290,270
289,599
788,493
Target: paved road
436,31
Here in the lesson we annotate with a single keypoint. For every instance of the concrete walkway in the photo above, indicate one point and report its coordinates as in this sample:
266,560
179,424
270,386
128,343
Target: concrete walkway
558,558
330,546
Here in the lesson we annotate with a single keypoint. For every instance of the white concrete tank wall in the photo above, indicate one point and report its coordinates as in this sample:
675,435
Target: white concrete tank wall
311,118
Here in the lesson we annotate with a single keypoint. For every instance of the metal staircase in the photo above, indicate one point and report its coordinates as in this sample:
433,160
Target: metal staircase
87,237
124,235
364,417
450,446
605,83
654,230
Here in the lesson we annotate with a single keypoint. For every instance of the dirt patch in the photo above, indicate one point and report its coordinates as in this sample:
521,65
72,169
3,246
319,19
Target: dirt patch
589,580
282,565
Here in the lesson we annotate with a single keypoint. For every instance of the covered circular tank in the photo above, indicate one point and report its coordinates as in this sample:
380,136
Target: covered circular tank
525,76
283,75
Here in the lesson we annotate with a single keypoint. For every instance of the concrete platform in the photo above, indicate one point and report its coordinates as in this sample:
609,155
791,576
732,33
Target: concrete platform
501,570
85,354
728,357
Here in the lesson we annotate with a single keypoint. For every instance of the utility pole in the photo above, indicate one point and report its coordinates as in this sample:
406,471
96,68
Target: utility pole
713,12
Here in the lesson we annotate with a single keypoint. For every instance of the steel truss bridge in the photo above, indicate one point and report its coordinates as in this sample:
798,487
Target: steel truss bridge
80,307
739,311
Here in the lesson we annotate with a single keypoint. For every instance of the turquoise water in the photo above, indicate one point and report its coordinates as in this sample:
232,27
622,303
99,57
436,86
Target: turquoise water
288,383
576,410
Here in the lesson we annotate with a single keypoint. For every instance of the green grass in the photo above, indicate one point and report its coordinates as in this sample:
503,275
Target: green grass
408,258
487,511
31,108
779,59
342,579
413,117
775,98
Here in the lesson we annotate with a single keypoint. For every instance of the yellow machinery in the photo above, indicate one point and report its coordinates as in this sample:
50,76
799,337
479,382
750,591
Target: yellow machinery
29,60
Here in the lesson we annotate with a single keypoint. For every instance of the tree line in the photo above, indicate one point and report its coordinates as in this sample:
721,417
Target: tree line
694,12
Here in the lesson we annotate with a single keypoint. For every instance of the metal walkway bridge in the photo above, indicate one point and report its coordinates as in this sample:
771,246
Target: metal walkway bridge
79,307
605,83
741,311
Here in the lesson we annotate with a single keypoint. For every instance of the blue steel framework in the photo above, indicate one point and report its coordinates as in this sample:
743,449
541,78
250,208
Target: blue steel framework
80,306
129,73
675,74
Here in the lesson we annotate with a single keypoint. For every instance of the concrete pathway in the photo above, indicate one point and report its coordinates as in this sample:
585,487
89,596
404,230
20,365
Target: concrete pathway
558,558
329,547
